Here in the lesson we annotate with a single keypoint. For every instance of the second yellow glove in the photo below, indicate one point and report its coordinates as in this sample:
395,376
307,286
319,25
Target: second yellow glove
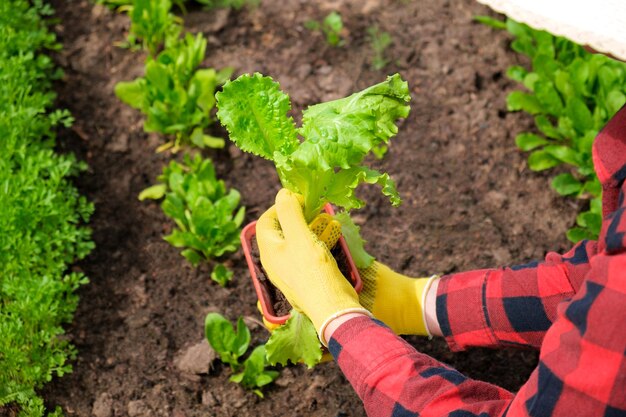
395,299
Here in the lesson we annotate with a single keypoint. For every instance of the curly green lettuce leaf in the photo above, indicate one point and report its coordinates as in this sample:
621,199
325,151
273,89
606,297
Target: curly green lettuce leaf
254,111
340,133
327,165
295,341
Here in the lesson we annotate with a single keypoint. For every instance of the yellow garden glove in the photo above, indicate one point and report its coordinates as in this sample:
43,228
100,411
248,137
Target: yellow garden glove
300,265
328,230
395,299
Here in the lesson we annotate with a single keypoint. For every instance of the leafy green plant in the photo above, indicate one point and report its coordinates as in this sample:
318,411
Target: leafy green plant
572,94
255,375
41,214
177,96
207,216
231,344
152,23
380,41
325,167
221,275
331,27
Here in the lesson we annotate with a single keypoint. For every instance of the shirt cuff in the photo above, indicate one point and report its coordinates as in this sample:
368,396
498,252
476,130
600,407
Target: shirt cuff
462,310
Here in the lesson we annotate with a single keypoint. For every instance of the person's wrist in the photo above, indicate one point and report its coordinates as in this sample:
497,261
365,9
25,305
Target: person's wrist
337,322
430,309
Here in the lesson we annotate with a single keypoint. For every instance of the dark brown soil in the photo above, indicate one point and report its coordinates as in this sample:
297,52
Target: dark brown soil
469,199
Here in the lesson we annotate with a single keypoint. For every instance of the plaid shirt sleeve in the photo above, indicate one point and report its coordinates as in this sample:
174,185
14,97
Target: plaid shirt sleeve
510,306
582,362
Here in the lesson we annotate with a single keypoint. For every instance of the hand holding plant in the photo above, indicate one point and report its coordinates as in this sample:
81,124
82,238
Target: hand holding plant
301,265
325,167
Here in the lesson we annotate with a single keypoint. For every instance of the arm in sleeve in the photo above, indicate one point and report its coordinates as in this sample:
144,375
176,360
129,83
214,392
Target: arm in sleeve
509,306
393,379
582,368
582,363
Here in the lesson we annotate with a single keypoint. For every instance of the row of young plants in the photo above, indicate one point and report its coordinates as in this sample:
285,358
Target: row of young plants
42,215
322,160
572,94
177,97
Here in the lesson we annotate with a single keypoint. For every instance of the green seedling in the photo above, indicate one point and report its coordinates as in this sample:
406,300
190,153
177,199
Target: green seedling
325,166
176,96
207,215
379,41
231,344
153,25
331,27
254,375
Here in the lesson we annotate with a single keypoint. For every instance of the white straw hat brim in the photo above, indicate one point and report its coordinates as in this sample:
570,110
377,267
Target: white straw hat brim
600,24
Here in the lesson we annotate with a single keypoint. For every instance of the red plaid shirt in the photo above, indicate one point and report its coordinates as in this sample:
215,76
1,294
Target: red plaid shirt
572,307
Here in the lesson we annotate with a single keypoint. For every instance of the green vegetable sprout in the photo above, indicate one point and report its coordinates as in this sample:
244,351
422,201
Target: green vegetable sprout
176,96
231,344
572,94
207,216
152,23
380,41
331,27
325,166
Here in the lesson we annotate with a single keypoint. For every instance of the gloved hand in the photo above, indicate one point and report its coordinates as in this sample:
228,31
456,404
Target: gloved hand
328,230
395,299
301,266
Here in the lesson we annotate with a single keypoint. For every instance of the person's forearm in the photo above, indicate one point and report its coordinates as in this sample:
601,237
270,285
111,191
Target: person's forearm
508,306
390,376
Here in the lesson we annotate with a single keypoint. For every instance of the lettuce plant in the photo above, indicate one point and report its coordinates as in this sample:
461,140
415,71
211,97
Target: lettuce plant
380,41
331,27
327,166
572,94
208,217
323,160
177,96
152,23
231,344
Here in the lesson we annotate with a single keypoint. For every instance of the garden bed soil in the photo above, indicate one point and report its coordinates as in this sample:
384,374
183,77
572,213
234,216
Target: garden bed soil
469,199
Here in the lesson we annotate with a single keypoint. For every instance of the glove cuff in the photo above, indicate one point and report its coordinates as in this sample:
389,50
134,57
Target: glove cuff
325,323
424,294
